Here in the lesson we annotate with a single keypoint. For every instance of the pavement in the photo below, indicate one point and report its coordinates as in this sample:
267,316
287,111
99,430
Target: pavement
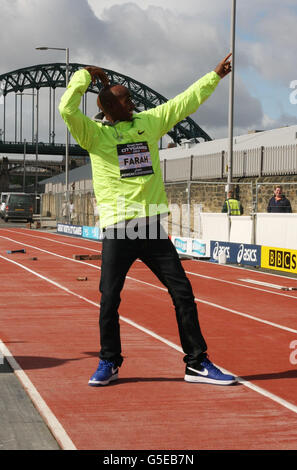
46,223
22,427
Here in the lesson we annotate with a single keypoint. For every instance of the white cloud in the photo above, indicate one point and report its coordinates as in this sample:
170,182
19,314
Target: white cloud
165,44
186,7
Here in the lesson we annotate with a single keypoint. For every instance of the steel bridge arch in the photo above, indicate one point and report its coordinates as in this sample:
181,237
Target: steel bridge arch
54,76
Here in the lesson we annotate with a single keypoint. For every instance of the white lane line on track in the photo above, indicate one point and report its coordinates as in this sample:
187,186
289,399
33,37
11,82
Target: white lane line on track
261,283
249,270
227,309
54,425
188,272
228,266
203,276
233,283
44,251
206,302
260,390
54,241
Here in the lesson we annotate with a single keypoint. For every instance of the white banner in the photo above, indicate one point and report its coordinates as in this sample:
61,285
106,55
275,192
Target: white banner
191,247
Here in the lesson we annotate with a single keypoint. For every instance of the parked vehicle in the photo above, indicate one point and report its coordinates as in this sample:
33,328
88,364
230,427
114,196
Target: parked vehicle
3,198
17,206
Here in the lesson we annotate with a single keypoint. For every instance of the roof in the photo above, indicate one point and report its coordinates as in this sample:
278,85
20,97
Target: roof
274,137
32,157
83,172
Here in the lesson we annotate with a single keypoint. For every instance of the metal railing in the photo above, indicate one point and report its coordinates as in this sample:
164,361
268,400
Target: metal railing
82,208
265,190
260,161
189,199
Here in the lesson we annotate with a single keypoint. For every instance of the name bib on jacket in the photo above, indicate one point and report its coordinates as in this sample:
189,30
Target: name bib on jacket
134,159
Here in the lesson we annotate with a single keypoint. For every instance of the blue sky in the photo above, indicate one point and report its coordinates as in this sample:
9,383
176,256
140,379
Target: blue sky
274,91
274,97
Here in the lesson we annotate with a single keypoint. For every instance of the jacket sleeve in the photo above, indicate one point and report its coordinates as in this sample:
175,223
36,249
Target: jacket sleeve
166,116
81,127
289,207
225,207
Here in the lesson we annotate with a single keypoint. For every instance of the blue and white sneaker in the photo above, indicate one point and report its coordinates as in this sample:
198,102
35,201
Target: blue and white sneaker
105,373
208,373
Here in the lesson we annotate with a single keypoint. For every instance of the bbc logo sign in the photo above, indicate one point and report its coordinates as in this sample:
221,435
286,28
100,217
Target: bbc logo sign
282,259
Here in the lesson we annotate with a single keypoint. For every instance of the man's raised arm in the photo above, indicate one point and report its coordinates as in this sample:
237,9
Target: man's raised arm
167,115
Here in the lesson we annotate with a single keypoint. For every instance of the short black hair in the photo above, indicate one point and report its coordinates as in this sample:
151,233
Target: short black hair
105,96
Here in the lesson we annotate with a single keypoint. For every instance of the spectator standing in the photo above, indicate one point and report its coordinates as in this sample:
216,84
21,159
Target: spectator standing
232,206
279,202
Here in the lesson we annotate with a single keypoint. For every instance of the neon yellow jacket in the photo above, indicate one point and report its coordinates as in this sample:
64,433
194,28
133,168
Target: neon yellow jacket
232,207
119,198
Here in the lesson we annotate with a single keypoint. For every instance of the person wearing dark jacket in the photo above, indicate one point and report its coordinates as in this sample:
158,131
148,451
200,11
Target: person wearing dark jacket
279,203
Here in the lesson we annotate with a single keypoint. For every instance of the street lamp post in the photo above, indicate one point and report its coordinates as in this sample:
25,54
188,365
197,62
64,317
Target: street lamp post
231,98
36,147
24,166
66,49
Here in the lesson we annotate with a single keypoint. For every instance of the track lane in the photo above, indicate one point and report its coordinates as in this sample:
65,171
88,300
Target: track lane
214,333
140,273
151,393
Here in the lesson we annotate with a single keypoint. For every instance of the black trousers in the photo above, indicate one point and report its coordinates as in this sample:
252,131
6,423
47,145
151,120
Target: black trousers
159,254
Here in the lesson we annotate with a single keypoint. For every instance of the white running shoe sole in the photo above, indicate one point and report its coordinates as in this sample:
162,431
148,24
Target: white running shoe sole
207,380
96,383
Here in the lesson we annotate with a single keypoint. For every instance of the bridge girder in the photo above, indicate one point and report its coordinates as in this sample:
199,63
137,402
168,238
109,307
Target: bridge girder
54,76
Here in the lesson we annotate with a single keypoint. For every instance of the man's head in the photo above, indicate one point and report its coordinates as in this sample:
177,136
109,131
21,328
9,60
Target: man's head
116,103
278,190
230,194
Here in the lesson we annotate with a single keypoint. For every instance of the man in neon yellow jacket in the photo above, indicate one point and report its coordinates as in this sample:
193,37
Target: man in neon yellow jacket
130,193
232,206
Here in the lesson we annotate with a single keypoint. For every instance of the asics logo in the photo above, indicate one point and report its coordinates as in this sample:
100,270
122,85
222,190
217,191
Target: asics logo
200,372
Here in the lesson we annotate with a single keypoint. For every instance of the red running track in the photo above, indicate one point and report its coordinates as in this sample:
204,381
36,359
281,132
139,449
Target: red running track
49,324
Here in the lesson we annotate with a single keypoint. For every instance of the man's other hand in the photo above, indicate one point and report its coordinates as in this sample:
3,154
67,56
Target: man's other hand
97,72
224,67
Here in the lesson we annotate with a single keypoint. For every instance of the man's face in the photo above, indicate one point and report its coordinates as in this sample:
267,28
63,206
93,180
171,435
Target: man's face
278,192
120,105
124,104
